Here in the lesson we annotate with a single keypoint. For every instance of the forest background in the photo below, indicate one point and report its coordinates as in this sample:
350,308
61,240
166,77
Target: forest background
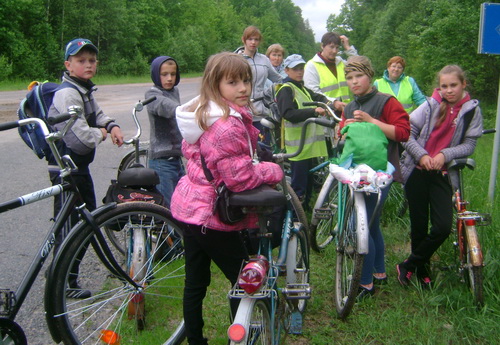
130,33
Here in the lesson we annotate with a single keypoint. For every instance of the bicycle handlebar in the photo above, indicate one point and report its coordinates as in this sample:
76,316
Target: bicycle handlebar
325,106
322,121
139,106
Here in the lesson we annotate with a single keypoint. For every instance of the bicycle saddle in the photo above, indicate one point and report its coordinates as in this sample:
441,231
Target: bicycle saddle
138,175
263,195
461,163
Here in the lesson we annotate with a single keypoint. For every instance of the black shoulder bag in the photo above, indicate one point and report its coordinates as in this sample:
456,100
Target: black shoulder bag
227,214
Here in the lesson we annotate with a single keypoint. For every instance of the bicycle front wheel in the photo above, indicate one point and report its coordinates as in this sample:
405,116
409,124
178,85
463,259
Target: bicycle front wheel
474,265
349,261
129,159
297,269
324,218
105,316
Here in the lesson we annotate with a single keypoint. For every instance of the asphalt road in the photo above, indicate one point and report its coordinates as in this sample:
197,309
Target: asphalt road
21,172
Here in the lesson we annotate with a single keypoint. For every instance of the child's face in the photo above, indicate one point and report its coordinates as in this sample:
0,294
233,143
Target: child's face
276,58
82,65
252,43
236,91
296,73
168,75
452,88
359,83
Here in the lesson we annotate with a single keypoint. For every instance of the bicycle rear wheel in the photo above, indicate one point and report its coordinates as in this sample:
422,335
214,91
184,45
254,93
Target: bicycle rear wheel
349,261
324,218
474,268
104,316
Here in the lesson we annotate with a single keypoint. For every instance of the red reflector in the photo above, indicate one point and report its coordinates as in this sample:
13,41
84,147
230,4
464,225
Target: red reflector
109,337
470,222
236,332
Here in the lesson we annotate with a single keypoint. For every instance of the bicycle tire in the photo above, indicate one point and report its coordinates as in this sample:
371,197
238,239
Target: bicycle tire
324,218
349,262
83,321
475,272
129,159
297,265
11,333
300,214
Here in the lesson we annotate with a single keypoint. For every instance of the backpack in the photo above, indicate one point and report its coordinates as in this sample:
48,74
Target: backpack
37,104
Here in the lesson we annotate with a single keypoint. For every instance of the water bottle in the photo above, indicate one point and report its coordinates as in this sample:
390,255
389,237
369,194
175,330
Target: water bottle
254,274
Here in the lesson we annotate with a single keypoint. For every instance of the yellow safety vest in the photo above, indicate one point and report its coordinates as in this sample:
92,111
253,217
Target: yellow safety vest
331,86
405,93
315,145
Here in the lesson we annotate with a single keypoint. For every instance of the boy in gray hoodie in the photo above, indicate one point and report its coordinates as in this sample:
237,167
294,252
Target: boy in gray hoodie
165,139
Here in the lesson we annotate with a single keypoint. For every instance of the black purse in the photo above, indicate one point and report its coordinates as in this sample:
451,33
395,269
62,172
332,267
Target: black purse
227,214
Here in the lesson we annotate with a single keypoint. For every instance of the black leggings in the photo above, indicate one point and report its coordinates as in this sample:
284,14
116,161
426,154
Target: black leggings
202,245
429,197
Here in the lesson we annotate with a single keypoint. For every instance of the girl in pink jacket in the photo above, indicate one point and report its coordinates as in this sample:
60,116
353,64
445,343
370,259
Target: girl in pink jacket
218,125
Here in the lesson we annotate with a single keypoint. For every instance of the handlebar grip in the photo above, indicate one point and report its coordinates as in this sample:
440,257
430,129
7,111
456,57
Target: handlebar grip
149,100
489,131
309,104
324,122
58,118
8,125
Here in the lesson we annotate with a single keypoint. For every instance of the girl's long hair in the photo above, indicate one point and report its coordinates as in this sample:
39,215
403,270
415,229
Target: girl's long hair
449,69
229,65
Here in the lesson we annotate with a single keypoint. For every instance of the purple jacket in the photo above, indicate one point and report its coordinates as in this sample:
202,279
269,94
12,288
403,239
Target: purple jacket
225,147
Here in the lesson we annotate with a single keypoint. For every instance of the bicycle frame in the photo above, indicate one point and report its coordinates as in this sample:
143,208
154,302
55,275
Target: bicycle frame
12,301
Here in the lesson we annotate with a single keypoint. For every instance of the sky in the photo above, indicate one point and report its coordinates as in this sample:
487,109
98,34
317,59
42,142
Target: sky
317,12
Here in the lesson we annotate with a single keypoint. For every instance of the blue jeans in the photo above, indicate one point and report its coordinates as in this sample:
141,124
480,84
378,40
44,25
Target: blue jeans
170,171
374,260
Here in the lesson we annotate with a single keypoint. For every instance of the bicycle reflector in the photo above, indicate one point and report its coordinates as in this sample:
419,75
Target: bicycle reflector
236,332
109,337
253,275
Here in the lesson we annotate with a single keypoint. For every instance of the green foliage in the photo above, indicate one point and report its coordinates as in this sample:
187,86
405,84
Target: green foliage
130,34
429,34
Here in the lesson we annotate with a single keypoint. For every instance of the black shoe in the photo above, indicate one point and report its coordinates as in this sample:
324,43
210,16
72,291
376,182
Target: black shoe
404,274
424,276
379,281
364,293
77,292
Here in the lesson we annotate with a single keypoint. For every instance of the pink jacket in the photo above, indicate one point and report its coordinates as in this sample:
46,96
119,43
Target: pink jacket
225,147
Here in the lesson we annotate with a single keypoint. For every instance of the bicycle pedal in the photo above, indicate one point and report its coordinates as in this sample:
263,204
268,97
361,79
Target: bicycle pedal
297,291
7,301
295,323
484,220
323,213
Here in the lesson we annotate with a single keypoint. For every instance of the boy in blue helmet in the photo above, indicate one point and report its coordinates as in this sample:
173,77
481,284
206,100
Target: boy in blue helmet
165,139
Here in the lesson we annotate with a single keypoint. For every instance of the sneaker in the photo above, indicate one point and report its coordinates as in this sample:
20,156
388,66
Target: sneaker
364,293
404,274
77,292
423,276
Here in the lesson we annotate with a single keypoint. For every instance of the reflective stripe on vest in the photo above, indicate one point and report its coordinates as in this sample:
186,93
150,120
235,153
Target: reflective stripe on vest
314,145
330,85
405,93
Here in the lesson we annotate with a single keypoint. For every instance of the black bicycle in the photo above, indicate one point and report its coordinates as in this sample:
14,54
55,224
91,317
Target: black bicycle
105,316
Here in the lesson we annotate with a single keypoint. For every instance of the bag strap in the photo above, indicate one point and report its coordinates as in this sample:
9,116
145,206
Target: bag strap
208,174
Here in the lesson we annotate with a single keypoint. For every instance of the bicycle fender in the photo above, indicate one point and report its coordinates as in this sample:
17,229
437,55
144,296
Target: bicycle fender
362,223
243,316
473,246
49,285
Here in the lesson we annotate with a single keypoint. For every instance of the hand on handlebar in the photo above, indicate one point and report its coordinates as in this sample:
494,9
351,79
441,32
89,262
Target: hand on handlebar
117,136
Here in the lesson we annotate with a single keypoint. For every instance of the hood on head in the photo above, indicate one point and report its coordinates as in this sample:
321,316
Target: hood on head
155,70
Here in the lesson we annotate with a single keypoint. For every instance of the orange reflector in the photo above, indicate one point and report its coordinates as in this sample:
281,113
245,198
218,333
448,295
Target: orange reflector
109,337
236,332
